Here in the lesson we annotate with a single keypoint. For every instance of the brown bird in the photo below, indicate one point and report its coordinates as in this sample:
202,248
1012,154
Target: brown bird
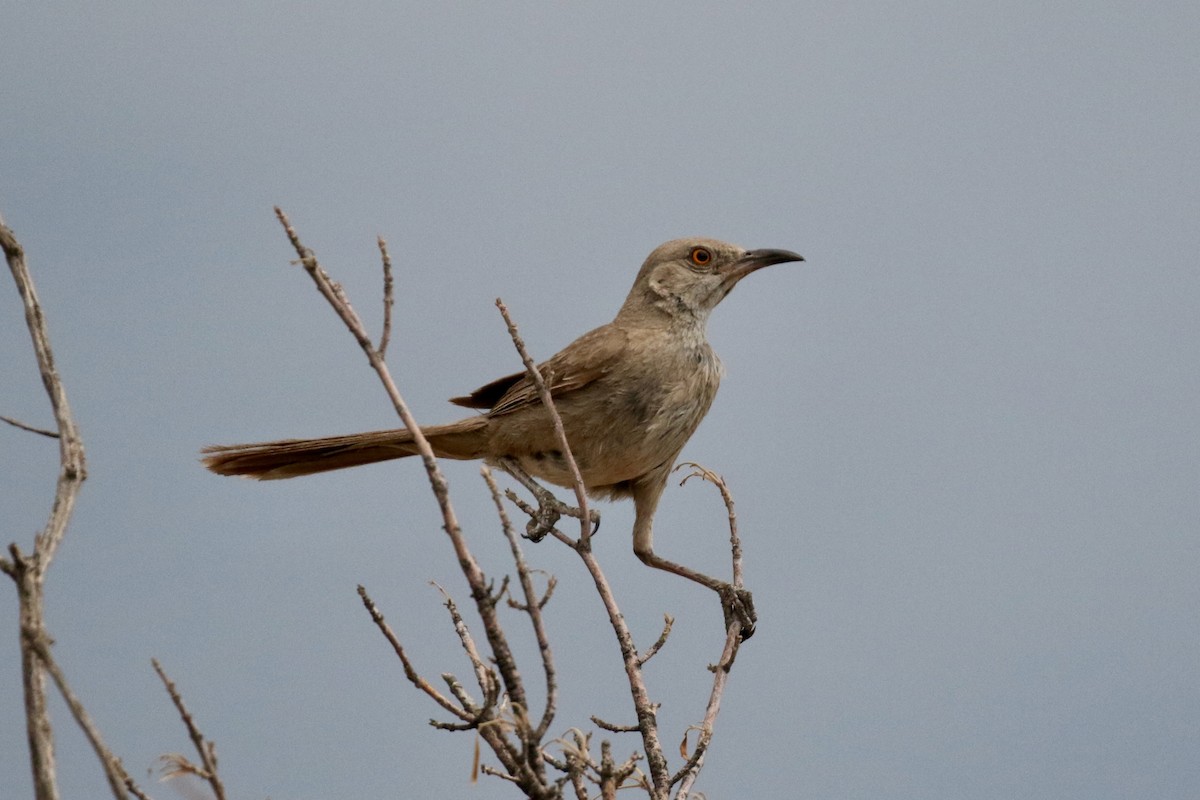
630,394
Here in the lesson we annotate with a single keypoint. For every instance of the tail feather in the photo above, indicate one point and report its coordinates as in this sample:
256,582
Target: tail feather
291,458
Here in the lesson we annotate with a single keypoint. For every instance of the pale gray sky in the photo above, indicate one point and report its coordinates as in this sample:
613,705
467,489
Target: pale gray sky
963,436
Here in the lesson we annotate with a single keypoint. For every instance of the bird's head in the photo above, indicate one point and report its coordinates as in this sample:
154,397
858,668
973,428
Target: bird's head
689,277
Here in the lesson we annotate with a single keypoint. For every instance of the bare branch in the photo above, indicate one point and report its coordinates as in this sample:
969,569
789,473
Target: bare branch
329,289
28,573
575,763
476,579
117,777
73,468
456,688
529,767
686,776
646,712
614,777
540,602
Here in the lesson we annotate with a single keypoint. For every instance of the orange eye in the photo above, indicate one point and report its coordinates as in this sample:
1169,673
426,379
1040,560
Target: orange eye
701,256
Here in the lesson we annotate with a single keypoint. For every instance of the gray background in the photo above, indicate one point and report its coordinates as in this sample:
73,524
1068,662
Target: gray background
963,436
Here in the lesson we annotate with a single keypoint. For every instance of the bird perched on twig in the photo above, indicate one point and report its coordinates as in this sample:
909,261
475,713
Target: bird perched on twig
630,394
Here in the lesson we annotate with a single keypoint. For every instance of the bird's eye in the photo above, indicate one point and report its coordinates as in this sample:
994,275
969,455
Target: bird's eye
701,256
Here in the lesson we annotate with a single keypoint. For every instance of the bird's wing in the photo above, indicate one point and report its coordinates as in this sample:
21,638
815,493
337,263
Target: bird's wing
584,360
490,394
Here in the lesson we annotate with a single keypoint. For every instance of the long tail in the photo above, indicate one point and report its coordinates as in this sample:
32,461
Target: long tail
290,458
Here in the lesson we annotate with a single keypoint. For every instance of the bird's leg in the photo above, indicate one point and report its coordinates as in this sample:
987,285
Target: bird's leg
736,602
550,509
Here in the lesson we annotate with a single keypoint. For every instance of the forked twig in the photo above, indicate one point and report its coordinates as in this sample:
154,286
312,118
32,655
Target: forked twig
485,678
29,572
410,671
686,776
118,779
524,763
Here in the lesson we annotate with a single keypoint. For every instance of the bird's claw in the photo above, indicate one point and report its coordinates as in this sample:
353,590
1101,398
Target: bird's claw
549,511
546,516
738,604
542,520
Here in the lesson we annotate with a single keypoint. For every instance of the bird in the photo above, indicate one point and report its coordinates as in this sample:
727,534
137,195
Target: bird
630,394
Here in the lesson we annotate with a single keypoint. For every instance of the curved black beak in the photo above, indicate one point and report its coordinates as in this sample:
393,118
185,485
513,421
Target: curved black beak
757,259
765,258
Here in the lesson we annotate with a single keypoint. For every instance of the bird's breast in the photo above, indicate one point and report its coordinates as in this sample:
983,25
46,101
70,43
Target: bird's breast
627,423
643,414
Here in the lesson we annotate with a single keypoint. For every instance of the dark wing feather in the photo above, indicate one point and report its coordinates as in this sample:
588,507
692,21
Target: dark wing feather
487,396
586,359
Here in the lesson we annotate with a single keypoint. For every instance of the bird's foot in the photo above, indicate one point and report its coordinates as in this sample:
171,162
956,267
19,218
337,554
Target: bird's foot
543,518
738,604
549,509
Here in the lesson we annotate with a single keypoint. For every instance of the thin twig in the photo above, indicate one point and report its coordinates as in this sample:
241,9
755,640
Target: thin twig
16,423
646,712
206,749
686,776
613,776
484,676
668,622
410,672
533,605
612,727
735,542
136,790
462,696
585,519
576,762
389,298
495,773
329,289
535,514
